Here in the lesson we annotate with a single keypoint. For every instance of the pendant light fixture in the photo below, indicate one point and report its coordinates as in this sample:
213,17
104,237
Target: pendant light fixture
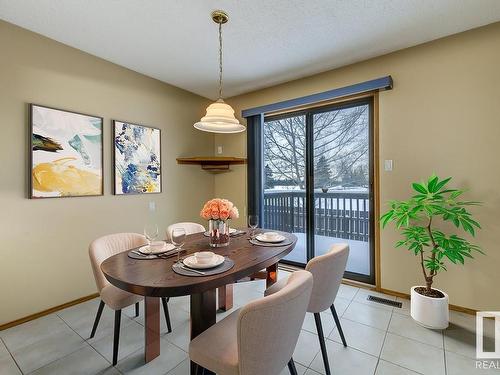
220,116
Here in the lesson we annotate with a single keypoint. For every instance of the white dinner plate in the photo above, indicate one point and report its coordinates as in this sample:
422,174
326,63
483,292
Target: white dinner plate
192,263
276,239
147,250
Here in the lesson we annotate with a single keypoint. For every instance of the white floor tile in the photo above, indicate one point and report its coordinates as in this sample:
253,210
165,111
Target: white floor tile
341,305
178,317
387,368
81,318
180,337
365,314
85,361
300,370
327,322
39,342
462,320
306,349
31,332
131,340
170,357
7,364
243,296
360,336
413,355
347,291
403,325
345,361
460,340
49,345
182,369
311,372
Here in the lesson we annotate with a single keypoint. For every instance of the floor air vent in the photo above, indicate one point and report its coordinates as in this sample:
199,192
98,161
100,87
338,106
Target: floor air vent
385,301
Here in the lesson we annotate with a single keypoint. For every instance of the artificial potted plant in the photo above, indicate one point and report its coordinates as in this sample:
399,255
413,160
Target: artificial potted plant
416,219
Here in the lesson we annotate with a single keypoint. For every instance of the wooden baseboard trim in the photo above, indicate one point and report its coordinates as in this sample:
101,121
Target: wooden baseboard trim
359,284
461,309
47,312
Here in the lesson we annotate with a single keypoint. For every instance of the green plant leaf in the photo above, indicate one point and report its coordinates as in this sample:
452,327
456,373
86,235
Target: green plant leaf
431,184
419,188
441,184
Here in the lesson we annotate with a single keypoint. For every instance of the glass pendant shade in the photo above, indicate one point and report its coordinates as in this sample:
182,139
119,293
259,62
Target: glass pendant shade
219,119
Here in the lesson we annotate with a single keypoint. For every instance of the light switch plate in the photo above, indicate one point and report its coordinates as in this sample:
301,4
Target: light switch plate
219,150
388,165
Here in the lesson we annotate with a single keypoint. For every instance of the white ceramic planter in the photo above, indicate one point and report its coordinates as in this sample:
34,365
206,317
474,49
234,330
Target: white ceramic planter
429,312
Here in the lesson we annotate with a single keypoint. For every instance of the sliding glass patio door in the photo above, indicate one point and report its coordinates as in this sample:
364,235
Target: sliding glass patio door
284,190
317,182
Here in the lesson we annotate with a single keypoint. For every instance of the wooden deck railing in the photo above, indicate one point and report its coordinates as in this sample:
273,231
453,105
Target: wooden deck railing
340,214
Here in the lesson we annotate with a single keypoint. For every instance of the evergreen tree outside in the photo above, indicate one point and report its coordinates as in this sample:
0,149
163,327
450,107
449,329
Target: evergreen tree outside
268,177
322,174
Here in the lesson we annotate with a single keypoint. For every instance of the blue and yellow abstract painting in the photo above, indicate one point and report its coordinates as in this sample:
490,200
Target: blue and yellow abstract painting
137,159
66,154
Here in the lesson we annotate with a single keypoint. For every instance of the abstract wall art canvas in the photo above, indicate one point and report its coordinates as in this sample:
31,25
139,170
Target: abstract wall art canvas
137,152
66,153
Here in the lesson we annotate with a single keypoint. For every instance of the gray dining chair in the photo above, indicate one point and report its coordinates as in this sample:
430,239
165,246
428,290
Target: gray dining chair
327,271
260,337
116,298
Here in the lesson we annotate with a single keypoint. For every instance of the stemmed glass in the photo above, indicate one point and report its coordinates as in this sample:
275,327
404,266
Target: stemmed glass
151,232
178,237
253,223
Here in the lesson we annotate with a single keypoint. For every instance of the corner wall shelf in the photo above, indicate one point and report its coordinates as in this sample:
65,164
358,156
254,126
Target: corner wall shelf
213,163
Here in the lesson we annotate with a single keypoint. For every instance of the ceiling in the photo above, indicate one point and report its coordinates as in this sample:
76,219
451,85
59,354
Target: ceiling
266,42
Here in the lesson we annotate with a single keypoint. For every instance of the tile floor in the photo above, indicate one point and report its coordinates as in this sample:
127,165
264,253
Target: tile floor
382,340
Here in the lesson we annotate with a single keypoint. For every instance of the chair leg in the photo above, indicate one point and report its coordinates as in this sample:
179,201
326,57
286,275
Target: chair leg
97,318
291,367
167,315
322,344
199,370
337,323
136,309
116,338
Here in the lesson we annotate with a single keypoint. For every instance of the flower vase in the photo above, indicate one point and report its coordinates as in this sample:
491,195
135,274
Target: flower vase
218,232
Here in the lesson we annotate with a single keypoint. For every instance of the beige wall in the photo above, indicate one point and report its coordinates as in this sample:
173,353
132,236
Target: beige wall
442,116
43,256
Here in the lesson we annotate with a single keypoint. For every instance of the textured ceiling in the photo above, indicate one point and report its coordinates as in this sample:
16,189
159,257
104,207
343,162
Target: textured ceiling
266,41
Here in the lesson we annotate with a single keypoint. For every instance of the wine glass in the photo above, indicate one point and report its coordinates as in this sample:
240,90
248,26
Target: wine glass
151,232
253,223
178,238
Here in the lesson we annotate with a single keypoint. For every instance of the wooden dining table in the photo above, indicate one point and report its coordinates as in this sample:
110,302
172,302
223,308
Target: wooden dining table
154,278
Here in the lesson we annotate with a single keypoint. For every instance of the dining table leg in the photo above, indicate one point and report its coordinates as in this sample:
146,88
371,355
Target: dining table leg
225,297
203,316
151,328
272,274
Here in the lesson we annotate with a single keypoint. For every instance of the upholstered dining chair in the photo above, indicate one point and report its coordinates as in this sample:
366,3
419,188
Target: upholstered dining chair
327,271
260,337
190,228
116,298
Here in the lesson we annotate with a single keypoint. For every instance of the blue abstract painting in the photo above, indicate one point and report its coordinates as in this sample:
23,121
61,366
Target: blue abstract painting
137,159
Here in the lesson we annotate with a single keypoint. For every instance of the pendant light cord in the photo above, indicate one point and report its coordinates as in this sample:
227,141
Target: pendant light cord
220,60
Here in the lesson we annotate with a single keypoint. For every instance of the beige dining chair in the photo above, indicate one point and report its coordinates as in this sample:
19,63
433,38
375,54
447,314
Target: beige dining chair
260,337
116,298
189,228
327,271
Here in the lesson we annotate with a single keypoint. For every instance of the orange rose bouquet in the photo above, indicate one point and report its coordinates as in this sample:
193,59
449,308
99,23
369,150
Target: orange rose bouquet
218,211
